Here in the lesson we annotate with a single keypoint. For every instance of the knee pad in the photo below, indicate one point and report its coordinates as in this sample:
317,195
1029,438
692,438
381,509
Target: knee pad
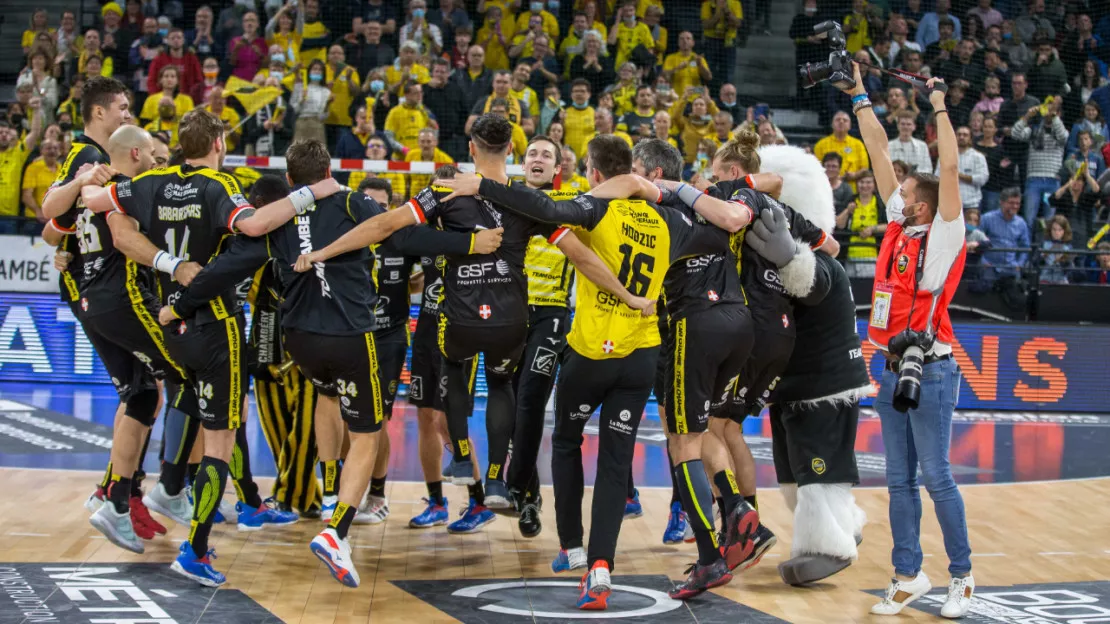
142,406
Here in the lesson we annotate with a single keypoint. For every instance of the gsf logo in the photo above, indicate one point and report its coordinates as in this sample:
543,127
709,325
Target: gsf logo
475,270
698,262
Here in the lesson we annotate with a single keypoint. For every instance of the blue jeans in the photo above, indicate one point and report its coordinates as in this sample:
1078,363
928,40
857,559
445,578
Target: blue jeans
991,201
922,436
1035,188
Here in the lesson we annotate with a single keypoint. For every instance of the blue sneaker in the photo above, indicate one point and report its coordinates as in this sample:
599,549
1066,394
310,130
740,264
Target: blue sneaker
595,588
435,514
474,517
676,525
252,518
632,507
459,472
566,560
200,570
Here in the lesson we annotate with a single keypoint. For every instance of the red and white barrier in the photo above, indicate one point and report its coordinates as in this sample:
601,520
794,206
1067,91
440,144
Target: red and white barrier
353,164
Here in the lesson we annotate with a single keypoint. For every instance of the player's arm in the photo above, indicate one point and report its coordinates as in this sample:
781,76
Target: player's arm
773,238
731,215
61,197
584,210
261,221
627,186
587,263
51,235
369,232
875,139
132,243
426,241
689,238
241,260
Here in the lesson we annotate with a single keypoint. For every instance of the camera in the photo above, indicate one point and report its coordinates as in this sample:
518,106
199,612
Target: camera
911,346
838,69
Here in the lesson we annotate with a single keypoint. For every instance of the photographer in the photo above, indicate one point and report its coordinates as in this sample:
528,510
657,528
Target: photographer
919,267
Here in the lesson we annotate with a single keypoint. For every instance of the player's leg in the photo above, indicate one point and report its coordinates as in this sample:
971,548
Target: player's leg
392,346
329,446
431,421
501,364
457,380
300,446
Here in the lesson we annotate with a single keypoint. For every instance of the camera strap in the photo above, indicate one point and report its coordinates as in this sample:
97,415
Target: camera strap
921,251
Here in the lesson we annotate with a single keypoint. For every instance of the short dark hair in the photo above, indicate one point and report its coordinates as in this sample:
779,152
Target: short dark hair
442,61
580,82
491,133
446,172
307,161
544,138
199,129
658,154
1008,193
610,155
377,184
927,189
268,189
833,156
99,91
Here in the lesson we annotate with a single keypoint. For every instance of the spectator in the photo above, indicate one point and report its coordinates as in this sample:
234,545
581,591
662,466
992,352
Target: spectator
1056,265
987,14
579,118
285,31
39,176
695,125
476,81
568,175
94,67
1011,111
39,24
928,30
551,110
166,117
872,77
229,23
1093,123
462,39
624,90
1005,230
117,38
545,67
603,124
1098,271
1085,157
1080,46
595,18
1046,135
91,49
515,109
722,125
189,72
556,131
269,131
14,152
311,98
1033,24
387,14
940,51
366,51
865,217
906,148
902,170
445,102
1047,76
495,37
39,75
900,38
1001,172
1014,48
499,106
856,28
406,69
524,40
343,81
316,36
627,33
67,38
991,99
595,65
427,36
201,37
1078,199
211,72
169,88
842,193
571,45
653,15
896,102
661,126
720,21
727,102
217,105
992,63
276,73
1088,81
427,151
961,66
548,23
143,50
972,167
638,121
519,89
352,143
376,150
449,17
808,46
248,51
879,52
405,120
850,148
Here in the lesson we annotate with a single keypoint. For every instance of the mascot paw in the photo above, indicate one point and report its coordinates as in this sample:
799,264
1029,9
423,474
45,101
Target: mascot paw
808,569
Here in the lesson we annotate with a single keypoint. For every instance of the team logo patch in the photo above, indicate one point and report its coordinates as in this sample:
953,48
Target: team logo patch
903,263
416,388
608,346
785,321
713,296
625,415
84,304
544,362
485,311
181,328
818,465
393,387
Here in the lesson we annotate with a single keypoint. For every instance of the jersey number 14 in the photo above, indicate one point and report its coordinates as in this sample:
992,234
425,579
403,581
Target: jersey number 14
171,246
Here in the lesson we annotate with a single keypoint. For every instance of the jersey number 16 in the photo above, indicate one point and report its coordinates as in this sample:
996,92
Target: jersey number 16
635,271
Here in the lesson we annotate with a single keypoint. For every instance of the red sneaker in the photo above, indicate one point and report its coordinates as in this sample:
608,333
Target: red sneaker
702,577
595,588
740,530
141,520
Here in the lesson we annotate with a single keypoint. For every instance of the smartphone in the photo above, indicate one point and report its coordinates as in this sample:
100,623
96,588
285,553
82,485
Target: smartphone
761,110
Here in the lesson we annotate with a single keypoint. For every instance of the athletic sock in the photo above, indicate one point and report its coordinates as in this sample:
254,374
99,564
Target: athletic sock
173,477
477,493
751,501
730,493
179,435
377,487
106,478
191,473
331,470
500,419
435,491
207,492
240,469
341,519
721,505
119,492
137,484
697,496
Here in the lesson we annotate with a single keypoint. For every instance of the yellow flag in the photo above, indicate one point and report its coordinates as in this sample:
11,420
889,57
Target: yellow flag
250,95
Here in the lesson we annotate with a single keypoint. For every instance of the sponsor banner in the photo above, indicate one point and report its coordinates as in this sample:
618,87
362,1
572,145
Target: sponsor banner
27,265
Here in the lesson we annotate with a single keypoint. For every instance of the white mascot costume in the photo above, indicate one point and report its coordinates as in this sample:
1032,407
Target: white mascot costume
818,399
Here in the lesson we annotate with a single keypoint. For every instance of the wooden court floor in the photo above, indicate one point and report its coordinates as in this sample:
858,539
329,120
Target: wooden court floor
1034,533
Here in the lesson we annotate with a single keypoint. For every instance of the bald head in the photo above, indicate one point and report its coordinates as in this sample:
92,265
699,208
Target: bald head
132,150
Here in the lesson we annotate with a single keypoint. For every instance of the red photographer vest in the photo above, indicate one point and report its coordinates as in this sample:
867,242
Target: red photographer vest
896,295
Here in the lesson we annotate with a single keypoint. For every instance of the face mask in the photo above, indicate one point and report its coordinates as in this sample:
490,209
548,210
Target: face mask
316,77
277,58
553,5
377,85
880,110
16,119
163,31
65,126
212,74
630,20
536,7
418,13
582,106
663,89
970,227
811,10
277,75
1007,36
703,156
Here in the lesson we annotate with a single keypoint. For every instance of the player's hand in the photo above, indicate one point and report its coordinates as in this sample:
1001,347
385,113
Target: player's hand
166,315
62,259
487,241
185,272
305,261
700,182
462,185
98,175
770,237
669,185
643,304
326,188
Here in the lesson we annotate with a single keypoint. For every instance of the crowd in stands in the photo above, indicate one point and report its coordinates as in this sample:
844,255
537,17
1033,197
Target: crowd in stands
403,81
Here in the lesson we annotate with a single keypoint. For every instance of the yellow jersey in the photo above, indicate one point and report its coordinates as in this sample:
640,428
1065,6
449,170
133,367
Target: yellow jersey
38,177
550,274
497,55
394,75
624,97
396,180
642,5
721,30
579,126
181,103
28,38
290,45
851,150
342,94
685,71
520,143
231,119
515,110
406,123
576,182
528,98
550,25
314,33
865,215
11,167
629,38
418,181
169,127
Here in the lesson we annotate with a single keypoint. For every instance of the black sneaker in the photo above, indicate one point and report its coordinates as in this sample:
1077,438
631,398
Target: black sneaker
530,523
762,541
740,527
702,577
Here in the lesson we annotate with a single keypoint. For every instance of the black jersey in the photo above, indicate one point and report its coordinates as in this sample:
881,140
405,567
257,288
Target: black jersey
188,212
698,283
85,151
264,347
392,270
433,267
487,290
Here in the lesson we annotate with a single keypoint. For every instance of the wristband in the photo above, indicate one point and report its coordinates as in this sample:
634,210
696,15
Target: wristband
166,263
302,199
688,194
943,110
859,98
856,108
473,239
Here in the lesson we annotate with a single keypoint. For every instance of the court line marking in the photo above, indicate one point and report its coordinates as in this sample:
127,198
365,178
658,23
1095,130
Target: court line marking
1054,554
30,534
163,593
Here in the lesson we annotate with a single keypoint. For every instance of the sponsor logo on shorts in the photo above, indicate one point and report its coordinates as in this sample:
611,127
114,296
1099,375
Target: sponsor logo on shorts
818,465
202,403
608,346
345,401
785,321
544,362
396,261
706,405
416,388
713,296
625,415
620,427
584,412
84,304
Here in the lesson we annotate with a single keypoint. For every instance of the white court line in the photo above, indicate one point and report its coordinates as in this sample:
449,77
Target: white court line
1052,554
163,593
988,554
97,537
30,534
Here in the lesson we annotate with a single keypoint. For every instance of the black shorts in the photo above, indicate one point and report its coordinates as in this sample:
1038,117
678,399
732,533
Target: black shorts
771,352
502,345
815,443
666,353
708,349
345,367
426,364
212,356
129,374
392,345
135,334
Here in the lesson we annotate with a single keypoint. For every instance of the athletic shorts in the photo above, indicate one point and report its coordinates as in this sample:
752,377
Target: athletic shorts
666,353
815,444
426,365
126,338
212,356
502,345
345,367
392,345
770,354
708,349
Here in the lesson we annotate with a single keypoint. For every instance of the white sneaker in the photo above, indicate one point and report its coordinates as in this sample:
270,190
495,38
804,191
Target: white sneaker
176,508
901,593
373,511
228,511
336,554
329,508
95,500
117,528
960,589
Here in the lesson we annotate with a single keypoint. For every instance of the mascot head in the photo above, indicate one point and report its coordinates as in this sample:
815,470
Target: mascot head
805,188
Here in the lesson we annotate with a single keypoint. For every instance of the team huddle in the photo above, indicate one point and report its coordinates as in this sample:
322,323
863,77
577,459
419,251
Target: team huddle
700,295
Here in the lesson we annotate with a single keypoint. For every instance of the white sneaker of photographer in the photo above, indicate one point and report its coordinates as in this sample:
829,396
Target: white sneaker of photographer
901,593
960,590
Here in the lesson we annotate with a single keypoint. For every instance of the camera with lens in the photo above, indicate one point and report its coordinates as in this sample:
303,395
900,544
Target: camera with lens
911,346
838,69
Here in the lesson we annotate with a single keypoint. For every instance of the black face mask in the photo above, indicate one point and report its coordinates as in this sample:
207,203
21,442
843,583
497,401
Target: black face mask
65,126
16,120
152,41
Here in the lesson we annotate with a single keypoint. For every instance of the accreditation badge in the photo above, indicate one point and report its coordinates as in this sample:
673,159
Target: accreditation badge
880,305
